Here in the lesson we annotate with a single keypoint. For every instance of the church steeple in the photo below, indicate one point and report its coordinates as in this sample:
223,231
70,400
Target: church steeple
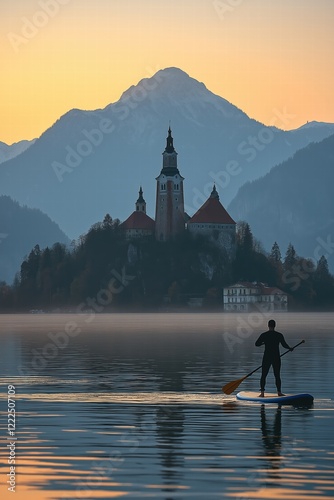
170,140
169,210
141,203
214,193
169,166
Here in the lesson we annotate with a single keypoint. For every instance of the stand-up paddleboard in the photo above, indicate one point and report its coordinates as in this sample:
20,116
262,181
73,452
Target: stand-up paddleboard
288,399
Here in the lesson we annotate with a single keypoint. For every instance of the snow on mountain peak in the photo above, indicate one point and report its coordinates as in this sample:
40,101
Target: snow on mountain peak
172,86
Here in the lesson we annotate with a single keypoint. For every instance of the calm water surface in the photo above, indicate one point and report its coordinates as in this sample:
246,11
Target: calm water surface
131,406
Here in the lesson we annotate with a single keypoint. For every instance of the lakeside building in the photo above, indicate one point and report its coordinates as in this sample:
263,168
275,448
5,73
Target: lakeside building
245,297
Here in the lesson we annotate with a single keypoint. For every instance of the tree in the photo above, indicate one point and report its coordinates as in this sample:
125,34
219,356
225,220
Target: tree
322,271
29,287
107,222
323,285
275,259
290,258
245,237
275,254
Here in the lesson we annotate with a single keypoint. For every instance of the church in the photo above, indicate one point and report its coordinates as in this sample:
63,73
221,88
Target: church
211,220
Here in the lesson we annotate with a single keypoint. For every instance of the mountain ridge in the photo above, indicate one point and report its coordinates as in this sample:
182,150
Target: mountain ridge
21,229
89,163
9,151
294,202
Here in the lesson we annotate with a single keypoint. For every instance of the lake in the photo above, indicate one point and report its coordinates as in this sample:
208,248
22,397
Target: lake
130,405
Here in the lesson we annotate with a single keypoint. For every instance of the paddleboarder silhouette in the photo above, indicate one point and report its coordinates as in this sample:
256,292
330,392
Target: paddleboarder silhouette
271,340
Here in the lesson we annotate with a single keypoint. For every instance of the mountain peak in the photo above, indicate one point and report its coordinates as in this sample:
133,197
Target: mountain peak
173,72
172,86
165,80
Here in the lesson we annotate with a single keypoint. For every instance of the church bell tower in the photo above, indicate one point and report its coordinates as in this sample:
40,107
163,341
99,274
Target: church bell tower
169,212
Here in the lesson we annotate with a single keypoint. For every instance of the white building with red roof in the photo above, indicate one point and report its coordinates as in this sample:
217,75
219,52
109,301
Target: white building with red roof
245,296
139,224
213,221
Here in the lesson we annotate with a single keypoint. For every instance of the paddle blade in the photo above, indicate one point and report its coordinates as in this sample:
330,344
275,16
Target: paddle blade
231,386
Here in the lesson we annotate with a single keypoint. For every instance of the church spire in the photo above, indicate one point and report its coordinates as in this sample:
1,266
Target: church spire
141,203
214,193
169,209
169,166
170,145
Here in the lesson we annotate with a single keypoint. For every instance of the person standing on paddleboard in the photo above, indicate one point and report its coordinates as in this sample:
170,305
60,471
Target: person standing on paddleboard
271,357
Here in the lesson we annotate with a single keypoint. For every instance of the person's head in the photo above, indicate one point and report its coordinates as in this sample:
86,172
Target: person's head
271,324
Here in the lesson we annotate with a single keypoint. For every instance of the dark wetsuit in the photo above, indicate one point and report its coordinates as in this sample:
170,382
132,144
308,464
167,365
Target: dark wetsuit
271,357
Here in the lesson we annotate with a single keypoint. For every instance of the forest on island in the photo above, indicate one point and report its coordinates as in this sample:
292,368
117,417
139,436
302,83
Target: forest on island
105,272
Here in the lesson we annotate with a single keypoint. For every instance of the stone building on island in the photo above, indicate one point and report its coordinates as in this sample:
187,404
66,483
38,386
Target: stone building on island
211,220
214,222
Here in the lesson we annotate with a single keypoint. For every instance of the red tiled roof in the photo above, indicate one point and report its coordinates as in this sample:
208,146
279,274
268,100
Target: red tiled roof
211,212
261,287
244,284
138,220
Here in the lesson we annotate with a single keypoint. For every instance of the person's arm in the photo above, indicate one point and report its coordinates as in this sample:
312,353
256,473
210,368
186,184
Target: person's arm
284,344
259,341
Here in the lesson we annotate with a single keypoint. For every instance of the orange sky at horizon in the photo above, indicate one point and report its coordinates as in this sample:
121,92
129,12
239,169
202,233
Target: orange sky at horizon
263,56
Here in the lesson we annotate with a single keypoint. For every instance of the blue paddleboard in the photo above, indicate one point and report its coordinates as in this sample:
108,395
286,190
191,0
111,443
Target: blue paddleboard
288,399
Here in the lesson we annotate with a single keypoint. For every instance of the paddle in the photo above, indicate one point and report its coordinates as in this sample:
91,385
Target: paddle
231,386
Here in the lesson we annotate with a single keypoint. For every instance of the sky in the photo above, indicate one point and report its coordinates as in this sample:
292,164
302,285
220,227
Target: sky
264,56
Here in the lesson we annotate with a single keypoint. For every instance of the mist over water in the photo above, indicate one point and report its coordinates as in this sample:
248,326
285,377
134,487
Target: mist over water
131,404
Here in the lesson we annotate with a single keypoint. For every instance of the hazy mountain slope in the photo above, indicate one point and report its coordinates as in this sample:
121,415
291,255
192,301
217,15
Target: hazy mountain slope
22,228
90,163
294,202
7,152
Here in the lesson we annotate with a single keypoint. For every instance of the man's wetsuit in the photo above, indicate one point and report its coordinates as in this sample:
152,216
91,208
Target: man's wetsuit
271,357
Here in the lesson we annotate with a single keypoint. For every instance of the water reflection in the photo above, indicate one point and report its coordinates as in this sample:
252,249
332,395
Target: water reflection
272,436
169,429
140,414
